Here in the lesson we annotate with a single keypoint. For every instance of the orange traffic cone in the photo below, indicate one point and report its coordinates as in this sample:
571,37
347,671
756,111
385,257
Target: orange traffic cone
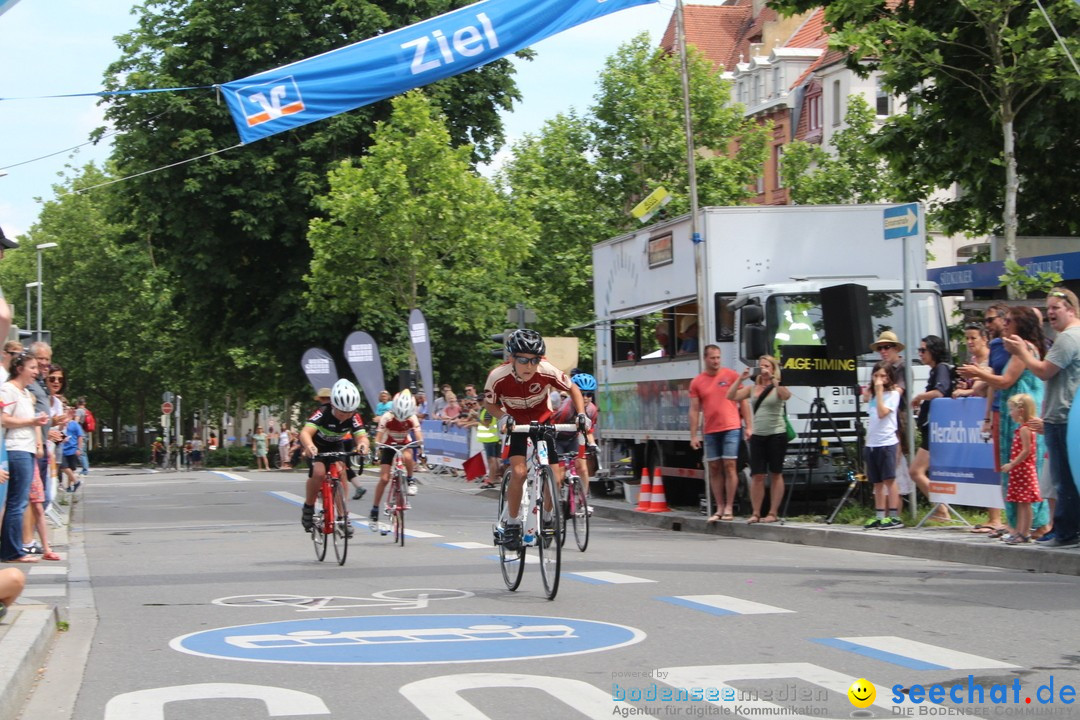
645,498
658,502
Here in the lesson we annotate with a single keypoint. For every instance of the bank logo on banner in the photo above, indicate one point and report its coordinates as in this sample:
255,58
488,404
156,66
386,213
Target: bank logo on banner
317,366
359,352
271,100
418,332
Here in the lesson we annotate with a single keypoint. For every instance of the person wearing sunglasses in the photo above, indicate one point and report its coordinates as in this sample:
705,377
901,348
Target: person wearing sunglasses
516,392
1061,371
933,353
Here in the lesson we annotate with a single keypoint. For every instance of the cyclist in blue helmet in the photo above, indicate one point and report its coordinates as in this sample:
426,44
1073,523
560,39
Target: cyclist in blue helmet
566,443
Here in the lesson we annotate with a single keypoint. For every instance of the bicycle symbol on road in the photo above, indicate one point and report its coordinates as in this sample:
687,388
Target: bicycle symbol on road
403,599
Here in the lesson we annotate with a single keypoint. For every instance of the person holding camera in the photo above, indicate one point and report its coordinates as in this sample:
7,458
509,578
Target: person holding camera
768,444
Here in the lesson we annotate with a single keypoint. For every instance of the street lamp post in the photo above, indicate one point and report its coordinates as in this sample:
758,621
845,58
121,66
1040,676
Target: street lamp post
29,316
42,246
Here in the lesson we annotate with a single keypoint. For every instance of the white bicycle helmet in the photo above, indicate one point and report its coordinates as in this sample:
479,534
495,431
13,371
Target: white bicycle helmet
404,406
344,396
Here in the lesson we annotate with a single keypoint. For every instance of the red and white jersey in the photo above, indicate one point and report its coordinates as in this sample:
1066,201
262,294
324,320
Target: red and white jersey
525,401
398,432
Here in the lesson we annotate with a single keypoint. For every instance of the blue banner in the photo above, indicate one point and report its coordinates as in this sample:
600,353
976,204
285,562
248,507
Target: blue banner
445,444
387,65
961,458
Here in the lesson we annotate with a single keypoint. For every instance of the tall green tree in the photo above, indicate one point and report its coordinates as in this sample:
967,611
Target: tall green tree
991,97
411,225
554,178
108,306
852,173
640,140
581,175
231,228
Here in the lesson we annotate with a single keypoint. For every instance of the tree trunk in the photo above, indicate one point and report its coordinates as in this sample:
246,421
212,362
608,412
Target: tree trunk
1012,187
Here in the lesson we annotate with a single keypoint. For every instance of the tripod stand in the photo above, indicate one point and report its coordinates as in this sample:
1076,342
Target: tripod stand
816,439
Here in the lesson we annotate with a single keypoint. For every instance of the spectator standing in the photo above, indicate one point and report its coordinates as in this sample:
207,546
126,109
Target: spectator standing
487,434
84,417
977,340
1061,371
881,450
283,443
421,406
889,347
1015,379
440,402
196,452
383,406
23,440
259,443
933,353
72,447
768,444
997,359
722,429
1023,477
42,403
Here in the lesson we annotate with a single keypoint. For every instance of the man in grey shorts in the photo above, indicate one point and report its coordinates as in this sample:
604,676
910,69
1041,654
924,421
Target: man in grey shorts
723,429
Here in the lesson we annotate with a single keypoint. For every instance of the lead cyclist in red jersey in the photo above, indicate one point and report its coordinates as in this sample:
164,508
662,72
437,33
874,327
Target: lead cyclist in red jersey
517,393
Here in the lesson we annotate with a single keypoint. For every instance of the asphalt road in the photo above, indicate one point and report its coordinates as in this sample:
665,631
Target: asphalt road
210,604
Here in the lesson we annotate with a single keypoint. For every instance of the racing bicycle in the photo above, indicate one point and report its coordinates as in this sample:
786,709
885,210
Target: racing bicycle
539,499
331,517
396,499
574,500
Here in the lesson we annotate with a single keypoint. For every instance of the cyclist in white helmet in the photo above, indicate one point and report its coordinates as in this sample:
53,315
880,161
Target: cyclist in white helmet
325,431
399,426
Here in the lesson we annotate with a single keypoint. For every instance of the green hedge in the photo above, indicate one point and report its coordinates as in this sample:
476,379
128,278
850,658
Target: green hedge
125,455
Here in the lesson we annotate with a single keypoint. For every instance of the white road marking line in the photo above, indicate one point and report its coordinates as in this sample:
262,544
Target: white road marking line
934,655
48,570
57,590
608,578
467,545
231,476
724,605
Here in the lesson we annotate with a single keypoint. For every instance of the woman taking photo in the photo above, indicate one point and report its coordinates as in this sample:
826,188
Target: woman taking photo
768,444
1016,379
22,438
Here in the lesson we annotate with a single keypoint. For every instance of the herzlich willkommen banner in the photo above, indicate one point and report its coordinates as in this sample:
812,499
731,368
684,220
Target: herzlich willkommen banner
380,67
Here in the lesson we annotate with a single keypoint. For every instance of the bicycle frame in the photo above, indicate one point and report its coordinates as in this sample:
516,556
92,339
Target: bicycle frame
395,502
538,490
333,519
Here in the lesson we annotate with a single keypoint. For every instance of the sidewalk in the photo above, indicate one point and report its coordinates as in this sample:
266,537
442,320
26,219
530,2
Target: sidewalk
31,625
951,544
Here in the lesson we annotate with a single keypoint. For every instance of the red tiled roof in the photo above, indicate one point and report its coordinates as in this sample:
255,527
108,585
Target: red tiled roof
716,30
811,34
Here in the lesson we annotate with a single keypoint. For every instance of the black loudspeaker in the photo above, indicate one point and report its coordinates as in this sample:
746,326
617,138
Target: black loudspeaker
407,380
846,312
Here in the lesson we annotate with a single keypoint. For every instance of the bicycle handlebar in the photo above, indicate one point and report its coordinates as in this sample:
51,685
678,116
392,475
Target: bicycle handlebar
337,455
399,448
560,427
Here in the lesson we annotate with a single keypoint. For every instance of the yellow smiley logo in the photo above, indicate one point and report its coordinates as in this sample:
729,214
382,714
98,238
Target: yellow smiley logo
862,693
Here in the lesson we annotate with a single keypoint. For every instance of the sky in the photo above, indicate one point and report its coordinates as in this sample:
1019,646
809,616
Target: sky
53,47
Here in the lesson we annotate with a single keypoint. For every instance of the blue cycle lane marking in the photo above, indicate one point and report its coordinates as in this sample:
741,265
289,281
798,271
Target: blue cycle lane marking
408,640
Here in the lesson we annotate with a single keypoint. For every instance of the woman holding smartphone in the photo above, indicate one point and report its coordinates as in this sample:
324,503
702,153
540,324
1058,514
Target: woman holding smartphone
768,444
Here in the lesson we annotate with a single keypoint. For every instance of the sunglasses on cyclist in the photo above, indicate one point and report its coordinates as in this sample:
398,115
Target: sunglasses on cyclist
526,361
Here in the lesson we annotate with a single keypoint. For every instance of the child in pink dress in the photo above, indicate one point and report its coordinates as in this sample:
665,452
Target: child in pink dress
1023,477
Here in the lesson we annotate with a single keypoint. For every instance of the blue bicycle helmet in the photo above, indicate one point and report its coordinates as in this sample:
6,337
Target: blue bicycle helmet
585,382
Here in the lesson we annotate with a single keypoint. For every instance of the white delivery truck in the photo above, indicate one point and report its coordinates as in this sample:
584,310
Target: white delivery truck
763,266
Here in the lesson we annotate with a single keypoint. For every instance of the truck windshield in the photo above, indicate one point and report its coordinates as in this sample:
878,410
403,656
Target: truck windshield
797,319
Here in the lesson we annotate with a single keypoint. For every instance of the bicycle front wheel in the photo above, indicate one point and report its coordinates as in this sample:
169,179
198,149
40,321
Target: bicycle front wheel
512,562
318,528
579,513
397,492
551,530
341,524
